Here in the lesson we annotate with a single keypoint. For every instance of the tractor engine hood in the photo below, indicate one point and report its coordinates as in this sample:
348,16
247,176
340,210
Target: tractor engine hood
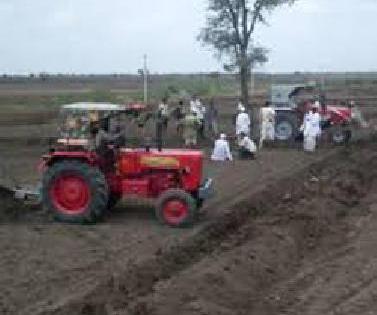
339,114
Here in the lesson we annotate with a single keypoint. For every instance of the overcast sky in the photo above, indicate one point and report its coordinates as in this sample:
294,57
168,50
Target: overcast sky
103,36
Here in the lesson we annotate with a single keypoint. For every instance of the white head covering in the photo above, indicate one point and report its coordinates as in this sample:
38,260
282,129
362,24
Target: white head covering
317,104
242,108
223,136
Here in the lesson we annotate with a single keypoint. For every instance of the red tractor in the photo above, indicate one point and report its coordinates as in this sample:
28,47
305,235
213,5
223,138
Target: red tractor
290,108
80,183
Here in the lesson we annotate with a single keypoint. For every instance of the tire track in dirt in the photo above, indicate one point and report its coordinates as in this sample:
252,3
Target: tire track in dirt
285,296
162,241
123,249
140,279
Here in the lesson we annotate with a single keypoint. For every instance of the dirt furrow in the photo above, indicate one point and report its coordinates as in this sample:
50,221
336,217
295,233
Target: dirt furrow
139,280
289,244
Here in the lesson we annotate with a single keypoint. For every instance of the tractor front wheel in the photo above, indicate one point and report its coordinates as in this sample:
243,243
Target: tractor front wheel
340,135
176,208
74,192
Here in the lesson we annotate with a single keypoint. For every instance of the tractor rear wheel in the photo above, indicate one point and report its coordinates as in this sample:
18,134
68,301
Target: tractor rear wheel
113,201
74,192
286,128
176,208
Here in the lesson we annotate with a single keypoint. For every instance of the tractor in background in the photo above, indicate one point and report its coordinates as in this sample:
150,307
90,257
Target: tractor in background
290,103
82,179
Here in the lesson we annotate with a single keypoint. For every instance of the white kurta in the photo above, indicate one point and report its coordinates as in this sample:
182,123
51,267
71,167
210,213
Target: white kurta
164,108
221,152
198,108
316,124
267,121
248,144
243,124
311,129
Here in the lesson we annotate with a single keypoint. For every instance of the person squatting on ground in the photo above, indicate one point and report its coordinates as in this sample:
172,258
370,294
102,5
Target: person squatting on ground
247,148
311,129
242,123
267,125
221,151
190,129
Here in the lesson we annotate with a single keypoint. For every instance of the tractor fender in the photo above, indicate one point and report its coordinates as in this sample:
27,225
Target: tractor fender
53,157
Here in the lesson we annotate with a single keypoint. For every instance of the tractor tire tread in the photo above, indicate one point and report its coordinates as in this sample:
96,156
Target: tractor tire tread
177,194
97,183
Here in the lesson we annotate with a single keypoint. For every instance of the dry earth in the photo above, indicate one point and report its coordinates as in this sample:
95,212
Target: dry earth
289,233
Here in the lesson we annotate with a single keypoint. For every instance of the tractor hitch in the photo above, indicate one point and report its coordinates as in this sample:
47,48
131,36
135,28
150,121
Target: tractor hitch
206,190
27,194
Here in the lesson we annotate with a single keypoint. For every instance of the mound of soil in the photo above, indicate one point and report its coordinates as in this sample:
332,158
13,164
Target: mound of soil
7,205
6,199
273,253
11,210
272,263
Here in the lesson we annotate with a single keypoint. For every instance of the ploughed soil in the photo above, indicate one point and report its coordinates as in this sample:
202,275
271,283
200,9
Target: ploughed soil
289,233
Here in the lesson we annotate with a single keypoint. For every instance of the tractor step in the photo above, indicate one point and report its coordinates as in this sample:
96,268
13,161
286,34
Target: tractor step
206,191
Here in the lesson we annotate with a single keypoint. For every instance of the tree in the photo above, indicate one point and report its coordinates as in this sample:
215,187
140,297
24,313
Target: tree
229,30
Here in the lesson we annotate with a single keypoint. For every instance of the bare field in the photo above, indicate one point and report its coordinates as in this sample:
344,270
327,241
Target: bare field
289,233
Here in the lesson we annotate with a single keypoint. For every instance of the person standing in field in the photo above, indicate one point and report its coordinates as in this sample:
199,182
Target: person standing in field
242,123
239,108
163,109
190,129
179,114
201,111
311,129
211,118
356,115
267,125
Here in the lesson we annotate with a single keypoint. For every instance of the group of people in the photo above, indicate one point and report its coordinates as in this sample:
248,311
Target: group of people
192,121
196,119
246,146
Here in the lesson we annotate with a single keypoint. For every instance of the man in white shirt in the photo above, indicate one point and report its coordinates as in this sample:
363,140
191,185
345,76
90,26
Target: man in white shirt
267,125
242,123
199,109
164,112
221,151
311,129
